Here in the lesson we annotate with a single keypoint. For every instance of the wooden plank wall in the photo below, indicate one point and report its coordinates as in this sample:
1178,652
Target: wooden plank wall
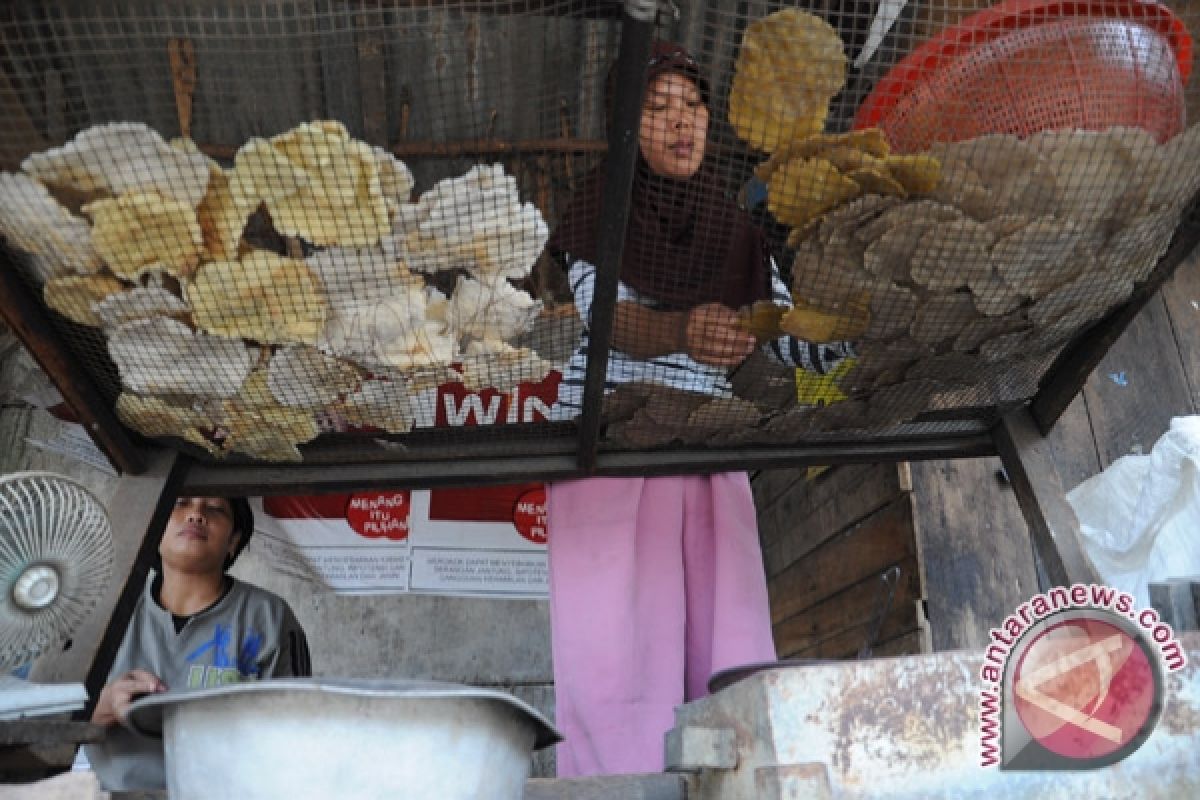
825,540
391,73
826,543
975,554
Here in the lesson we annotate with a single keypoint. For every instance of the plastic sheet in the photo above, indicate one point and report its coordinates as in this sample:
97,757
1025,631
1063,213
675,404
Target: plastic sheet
1139,517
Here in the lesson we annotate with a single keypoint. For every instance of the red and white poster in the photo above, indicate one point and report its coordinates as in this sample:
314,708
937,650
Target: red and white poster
481,541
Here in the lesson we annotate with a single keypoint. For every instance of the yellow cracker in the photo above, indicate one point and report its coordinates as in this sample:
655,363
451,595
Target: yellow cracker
254,392
798,47
875,181
143,228
269,432
815,325
790,66
767,120
222,218
762,319
837,148
264,297
296,424
848,159
152,416
869,140
318,184
806,188
918,174
395,180
265,444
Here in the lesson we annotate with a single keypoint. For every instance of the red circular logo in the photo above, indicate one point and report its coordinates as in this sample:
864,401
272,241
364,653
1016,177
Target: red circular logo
379,515
529,515
1084,688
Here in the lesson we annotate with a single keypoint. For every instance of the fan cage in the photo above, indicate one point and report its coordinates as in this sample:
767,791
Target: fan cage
1061,142
48,520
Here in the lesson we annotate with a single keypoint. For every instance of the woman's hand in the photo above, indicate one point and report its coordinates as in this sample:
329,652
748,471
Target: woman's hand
712,336
117,696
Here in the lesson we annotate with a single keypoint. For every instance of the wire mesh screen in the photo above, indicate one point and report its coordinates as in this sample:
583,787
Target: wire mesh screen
261,223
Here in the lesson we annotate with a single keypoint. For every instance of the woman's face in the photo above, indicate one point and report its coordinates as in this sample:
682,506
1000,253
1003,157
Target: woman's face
674,126
199,535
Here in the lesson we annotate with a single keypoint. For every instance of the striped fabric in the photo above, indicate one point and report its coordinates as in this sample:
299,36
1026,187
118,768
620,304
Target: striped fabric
676,370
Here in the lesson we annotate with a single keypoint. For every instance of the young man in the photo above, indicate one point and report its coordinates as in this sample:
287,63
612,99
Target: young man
194,626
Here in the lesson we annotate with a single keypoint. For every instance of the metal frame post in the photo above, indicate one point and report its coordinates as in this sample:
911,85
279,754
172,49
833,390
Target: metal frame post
637,38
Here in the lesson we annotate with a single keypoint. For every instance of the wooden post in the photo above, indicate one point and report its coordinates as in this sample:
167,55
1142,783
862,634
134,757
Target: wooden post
1052,523
372,82
183,79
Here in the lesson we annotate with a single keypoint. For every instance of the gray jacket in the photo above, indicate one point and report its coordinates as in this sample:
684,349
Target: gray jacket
249,634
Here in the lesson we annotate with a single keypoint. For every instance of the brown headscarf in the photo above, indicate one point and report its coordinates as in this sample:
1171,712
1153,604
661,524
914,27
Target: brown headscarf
686,243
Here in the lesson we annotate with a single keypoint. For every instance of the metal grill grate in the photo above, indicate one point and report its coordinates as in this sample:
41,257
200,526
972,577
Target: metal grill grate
359,232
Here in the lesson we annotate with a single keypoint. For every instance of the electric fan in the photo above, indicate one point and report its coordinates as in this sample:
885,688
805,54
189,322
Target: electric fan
56,558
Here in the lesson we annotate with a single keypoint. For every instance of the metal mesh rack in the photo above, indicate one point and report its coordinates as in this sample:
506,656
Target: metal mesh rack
351,243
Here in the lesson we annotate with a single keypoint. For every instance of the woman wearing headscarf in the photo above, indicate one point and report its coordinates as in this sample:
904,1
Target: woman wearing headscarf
656,583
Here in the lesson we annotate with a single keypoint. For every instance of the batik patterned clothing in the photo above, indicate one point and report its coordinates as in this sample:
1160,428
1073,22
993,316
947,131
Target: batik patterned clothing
249,634
677,370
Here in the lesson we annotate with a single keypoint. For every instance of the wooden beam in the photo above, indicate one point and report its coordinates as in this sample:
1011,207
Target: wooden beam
857,554
182,54
1053,526
24,315
973,546
372,82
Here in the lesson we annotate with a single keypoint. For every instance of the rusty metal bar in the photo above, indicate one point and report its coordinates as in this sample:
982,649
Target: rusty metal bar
636,41
182,54
24,315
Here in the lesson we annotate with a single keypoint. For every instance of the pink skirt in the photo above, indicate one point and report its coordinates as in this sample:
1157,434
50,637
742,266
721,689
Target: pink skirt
655,584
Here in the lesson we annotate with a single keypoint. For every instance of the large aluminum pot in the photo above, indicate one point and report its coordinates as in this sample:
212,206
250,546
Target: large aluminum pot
308,738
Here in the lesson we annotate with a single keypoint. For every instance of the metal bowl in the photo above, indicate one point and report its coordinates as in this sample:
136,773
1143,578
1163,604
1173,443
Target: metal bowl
298,738
727,677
